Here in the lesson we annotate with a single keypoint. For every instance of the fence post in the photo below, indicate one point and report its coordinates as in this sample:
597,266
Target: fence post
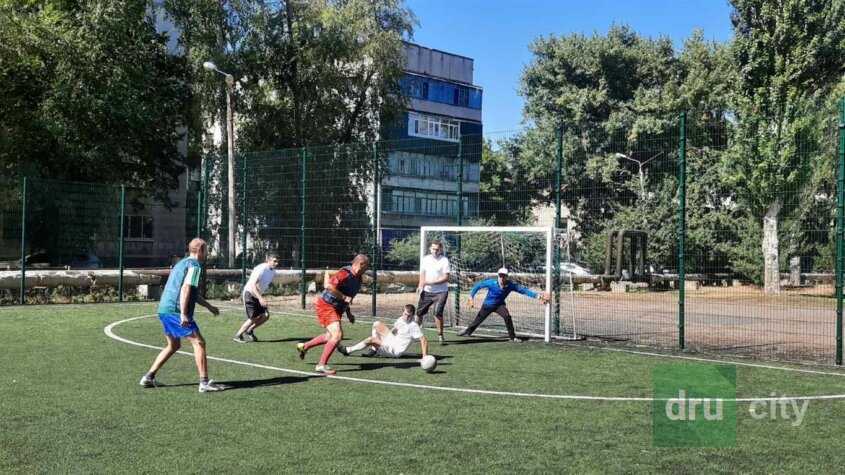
457,302
205,177
682,225
556,242
376,212
200,185
243,221
302,288
23,242
120,243
840,229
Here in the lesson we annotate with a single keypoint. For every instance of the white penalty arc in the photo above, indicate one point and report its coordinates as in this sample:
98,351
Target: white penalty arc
109,331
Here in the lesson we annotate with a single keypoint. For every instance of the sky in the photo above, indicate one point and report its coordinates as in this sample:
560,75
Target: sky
497,35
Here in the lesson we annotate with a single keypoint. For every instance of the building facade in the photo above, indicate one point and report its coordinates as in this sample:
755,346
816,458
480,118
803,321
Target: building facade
441,127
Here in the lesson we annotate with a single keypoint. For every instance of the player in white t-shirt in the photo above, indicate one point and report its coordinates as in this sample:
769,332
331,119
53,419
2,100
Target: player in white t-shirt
255,305
391,343
434,286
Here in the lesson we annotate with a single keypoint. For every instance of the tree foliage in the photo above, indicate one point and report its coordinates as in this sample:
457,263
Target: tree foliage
759,112
90,93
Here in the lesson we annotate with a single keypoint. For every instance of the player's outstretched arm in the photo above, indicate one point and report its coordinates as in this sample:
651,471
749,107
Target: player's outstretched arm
475,288
543,296
211,308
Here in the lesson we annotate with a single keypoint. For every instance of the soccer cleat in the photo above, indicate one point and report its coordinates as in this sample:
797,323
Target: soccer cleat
515,340
324,369
210,387
464,332
441,339
147,382
239,339
300,347
342,350
369,353
251,336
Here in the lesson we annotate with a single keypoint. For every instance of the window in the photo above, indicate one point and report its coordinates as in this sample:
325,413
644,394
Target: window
430,89
138,227
426,203
438,128
431,166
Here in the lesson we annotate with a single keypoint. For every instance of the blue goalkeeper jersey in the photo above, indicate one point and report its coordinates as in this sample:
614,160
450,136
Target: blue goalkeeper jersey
188,271
496,295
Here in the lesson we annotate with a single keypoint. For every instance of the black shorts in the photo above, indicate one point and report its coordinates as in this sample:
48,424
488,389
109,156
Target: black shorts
253,307
427,299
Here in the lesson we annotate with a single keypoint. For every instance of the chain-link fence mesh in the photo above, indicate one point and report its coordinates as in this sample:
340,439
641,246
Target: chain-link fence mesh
670,231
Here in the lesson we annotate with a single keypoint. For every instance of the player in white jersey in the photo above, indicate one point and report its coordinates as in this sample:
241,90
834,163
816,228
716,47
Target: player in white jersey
434,286
391,342
255,305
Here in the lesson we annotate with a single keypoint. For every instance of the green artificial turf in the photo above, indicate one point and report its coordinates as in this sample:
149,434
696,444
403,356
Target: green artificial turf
70,402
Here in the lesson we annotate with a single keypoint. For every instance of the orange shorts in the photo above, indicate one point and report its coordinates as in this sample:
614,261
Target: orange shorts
326,314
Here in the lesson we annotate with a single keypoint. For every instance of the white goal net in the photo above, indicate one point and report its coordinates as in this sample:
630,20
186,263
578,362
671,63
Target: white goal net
475,253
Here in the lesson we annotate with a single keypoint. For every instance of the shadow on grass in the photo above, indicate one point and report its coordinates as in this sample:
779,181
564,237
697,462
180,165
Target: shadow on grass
385,363
282,340
480,339
257,383
248,383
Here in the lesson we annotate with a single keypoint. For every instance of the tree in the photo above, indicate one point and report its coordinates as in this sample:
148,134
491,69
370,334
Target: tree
321,73
789,54
618,98
90,93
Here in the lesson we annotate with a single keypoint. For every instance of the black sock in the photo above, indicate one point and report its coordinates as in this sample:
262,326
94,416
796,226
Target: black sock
151,375
204,380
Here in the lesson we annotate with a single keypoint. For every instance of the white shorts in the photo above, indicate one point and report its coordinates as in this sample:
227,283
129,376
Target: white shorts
390,349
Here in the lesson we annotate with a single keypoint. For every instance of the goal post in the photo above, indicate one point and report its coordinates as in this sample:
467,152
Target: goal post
476,252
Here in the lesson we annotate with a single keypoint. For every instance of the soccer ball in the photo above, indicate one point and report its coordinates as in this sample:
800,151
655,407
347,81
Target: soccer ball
428,363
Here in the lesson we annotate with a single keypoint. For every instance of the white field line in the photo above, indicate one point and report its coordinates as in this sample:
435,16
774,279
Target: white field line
109,331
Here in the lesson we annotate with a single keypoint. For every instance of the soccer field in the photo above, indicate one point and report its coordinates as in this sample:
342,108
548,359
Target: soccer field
70,402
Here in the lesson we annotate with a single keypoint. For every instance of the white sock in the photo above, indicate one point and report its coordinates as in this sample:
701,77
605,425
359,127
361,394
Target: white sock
358,346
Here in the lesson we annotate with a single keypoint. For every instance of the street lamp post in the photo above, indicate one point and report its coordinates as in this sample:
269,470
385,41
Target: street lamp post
230,133
640,165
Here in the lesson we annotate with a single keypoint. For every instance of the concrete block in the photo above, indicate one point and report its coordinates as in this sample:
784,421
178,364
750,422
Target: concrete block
149,292
619,287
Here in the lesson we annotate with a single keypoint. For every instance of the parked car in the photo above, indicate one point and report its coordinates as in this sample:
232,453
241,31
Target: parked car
574,268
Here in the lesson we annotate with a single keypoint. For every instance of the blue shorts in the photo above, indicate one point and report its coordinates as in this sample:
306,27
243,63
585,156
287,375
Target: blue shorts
171,323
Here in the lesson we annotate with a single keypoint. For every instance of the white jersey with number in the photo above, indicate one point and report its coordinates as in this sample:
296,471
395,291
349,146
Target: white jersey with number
400,338
262,277
435,268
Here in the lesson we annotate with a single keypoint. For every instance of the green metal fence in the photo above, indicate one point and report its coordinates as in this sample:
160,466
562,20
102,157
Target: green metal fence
65,242
661,228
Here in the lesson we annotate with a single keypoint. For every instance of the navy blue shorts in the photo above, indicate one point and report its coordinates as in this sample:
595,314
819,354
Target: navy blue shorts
172,327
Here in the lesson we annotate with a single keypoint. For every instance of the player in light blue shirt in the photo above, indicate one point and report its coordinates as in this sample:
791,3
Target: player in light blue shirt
497,291
176,314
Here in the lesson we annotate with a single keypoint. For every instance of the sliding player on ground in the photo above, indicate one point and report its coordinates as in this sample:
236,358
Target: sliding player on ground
339,292
391,343
498,290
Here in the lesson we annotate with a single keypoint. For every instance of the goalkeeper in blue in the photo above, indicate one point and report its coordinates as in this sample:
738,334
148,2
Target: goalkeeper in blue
497,291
